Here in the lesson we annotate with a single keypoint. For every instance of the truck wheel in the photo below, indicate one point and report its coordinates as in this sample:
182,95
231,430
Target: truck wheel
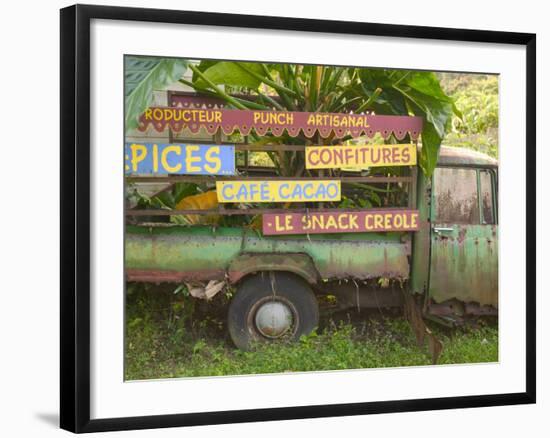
272,306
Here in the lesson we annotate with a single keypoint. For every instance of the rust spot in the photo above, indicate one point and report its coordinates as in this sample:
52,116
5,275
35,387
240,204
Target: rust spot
461,235
166,276
300,264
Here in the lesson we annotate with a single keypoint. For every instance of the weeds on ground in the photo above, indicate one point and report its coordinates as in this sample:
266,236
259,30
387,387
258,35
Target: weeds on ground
174,336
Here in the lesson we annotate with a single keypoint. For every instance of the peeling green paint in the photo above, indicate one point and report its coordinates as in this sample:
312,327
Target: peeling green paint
198,249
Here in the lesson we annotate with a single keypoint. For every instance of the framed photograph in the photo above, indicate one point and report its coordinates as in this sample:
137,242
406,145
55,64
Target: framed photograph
271,218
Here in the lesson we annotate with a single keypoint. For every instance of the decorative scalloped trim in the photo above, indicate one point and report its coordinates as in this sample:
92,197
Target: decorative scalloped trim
380,124
211,129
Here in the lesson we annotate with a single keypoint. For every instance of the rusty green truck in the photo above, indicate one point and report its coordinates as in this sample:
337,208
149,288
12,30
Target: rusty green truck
449,266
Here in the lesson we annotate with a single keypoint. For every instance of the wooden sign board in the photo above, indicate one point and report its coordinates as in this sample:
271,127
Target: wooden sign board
188,159
340,221
360,156
278,191
325,124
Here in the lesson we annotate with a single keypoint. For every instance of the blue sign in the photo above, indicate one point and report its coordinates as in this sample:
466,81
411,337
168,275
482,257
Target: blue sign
187,159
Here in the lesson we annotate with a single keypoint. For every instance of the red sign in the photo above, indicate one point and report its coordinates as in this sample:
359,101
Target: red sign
340,221
230,120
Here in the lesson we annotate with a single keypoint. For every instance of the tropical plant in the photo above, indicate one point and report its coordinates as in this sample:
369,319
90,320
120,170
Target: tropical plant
328,89
142,75
291,87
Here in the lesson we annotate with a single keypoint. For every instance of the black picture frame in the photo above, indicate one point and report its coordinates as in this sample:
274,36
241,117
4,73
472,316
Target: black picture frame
75,217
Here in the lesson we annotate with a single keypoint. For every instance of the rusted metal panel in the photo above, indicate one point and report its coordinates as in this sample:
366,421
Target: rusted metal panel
192,250
343,257
456,308
450,156
173,276
464,253
464,265
464,261
420,261
188,251
351,294
300,264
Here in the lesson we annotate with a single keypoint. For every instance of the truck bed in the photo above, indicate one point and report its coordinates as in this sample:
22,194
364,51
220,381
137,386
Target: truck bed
175,253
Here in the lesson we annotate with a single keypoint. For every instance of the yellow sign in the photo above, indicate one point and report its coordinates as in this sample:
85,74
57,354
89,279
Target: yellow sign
360,156
278,191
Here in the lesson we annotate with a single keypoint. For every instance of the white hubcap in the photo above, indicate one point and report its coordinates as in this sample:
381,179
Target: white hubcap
273,319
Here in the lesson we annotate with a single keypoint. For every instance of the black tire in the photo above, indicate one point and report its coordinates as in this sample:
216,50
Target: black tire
288,290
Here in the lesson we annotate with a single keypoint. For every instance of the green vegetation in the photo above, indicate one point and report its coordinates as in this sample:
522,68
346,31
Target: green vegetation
295,87
316,88
171,335
476,96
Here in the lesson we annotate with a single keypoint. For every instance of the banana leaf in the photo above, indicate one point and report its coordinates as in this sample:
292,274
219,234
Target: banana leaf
142,75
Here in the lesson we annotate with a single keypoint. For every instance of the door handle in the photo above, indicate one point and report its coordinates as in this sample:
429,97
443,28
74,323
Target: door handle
443,229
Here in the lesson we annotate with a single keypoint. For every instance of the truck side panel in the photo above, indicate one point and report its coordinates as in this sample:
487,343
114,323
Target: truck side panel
176,253
464,266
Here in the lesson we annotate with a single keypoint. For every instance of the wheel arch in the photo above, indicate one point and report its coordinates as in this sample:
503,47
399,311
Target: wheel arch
299,264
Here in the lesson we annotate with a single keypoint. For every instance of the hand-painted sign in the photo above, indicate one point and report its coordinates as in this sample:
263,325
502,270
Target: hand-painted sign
340,221
278,191
277,122
360,156
190,159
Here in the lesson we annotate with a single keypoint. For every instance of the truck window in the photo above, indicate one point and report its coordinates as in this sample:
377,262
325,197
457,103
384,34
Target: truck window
456,196
486,194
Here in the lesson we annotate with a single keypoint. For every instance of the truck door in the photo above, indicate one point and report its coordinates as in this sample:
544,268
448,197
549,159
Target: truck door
464,236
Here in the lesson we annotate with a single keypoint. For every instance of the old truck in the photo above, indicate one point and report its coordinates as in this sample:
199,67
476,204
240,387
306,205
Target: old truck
446,270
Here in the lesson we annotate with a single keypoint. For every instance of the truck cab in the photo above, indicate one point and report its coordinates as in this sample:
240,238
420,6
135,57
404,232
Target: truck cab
455,253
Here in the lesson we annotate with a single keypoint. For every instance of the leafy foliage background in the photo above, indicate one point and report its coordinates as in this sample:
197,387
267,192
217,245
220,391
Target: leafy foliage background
476,96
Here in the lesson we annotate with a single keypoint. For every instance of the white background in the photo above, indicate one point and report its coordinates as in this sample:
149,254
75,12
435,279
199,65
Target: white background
29,311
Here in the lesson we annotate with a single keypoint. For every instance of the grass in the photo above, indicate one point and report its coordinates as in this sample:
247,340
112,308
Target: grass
172,336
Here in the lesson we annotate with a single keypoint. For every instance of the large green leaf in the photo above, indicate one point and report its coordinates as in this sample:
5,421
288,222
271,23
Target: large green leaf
428,84
437,111
437,117
203,66
142,75
236,74
413,92
431,142
378,77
